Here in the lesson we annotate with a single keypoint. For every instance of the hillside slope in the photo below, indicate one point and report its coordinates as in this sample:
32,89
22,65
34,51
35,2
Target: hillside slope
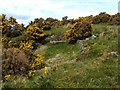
95,66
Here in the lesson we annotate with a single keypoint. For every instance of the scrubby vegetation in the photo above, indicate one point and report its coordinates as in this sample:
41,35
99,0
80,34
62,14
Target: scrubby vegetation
48,54
80,30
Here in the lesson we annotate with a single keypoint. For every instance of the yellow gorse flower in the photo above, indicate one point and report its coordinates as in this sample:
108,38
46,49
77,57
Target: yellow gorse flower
30,74
26,46
35,31
37,62
46,69
43,34
7,77
91,24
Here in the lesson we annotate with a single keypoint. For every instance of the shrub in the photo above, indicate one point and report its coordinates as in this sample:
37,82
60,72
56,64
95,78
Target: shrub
14,62
115,19
64,20
12,20
51,22
103,17
38,62
35,32
27,46
96,20
79,31
10,27
87,18
5,41
46,27
13,44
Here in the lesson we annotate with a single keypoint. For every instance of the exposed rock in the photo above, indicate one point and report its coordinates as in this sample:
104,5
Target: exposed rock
41,49
56,65
87,39
55,38
80,44
54,42
93,37
113,53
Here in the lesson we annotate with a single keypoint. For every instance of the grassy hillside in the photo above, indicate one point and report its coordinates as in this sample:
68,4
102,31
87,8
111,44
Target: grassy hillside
95,66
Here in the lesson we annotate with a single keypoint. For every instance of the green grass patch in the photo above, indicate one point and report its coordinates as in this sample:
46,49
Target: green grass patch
64,48
57,31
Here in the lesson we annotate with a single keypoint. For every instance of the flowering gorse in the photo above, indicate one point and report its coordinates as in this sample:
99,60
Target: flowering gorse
37,62
30,74
79,30
46,70
26,45
7,77
35,32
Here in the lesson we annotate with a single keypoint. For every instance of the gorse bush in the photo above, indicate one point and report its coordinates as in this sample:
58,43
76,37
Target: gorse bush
35,32
51,22
10,27
5,41
64,20
38,62
87,18
12,20
26,46
115,19
79,31
13,44
46,26
103,17
14,62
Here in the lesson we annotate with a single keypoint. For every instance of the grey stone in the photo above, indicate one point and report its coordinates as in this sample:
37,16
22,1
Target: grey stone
80,44
93,36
